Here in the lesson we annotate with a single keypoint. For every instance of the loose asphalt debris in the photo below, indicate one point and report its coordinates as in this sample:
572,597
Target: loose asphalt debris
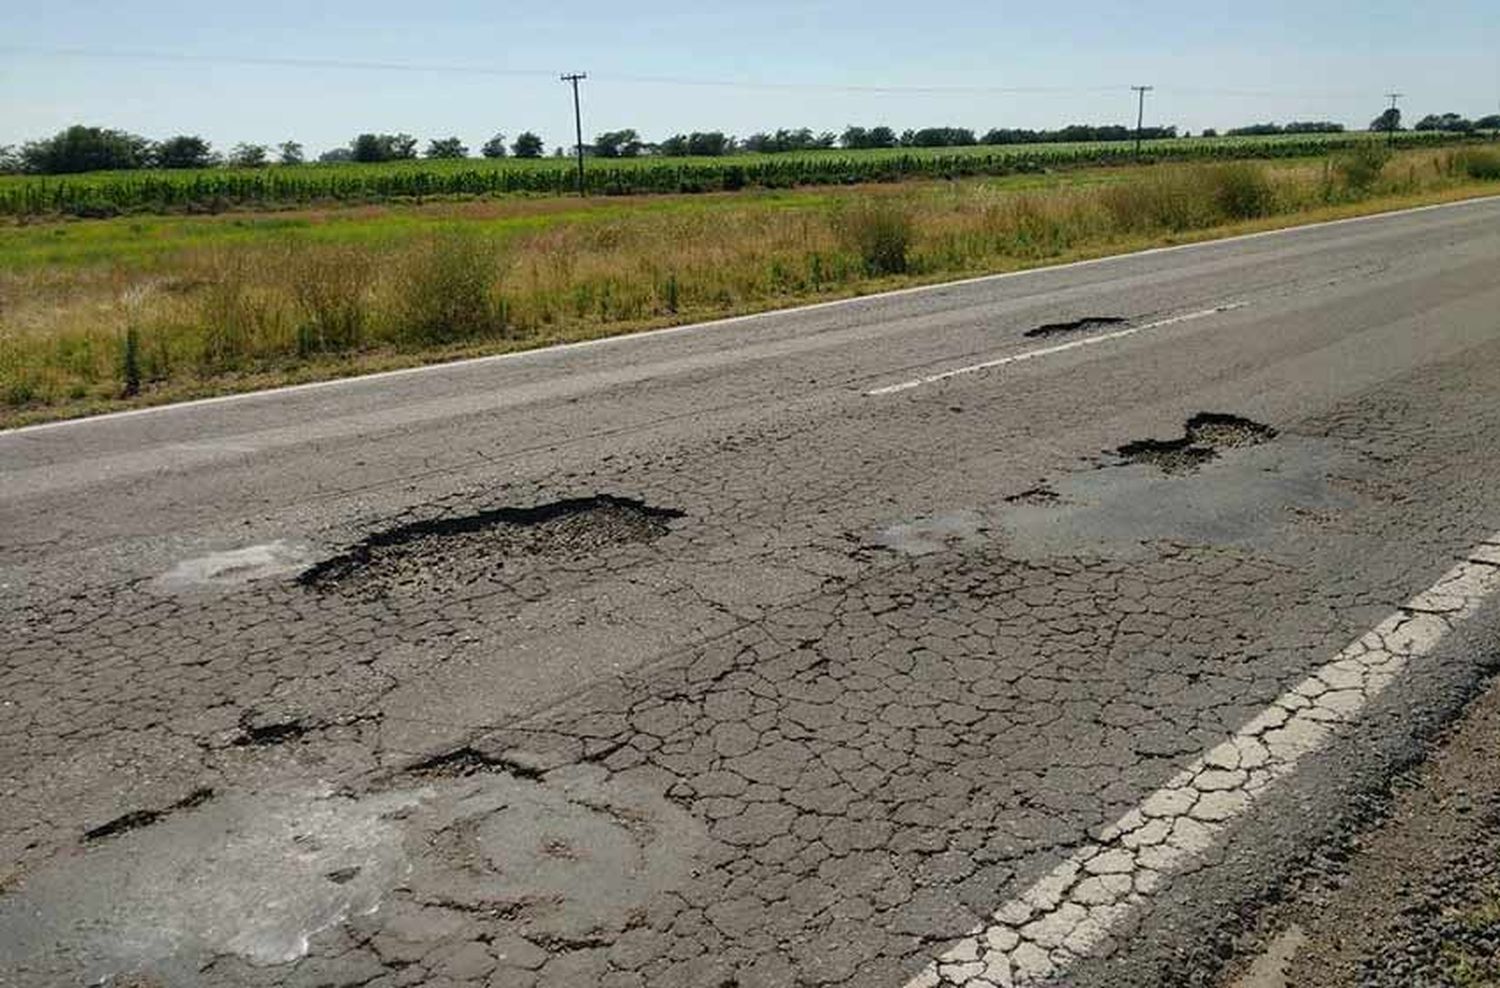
1204,436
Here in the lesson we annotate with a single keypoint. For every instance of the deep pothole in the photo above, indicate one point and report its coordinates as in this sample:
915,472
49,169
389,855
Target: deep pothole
1204,436
1082,325
467,548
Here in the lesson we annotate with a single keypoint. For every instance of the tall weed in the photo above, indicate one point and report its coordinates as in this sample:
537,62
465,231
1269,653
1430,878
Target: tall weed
879,231
448,291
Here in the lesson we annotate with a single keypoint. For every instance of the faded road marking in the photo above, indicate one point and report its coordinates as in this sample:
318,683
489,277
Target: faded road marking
1073,908
1014,358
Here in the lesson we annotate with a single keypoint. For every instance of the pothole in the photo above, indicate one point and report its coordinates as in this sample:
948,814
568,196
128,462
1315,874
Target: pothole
447,551
137,819
1205,434
1039,495
1076,326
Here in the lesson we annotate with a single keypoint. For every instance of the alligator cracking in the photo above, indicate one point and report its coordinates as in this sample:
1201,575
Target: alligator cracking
466,548
1204,435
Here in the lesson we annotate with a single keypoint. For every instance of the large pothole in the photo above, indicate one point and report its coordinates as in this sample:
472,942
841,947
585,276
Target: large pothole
1205,434
445,551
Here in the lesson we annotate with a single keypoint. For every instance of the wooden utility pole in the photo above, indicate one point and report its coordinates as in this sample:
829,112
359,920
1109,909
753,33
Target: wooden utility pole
1140,114
1390,128
575,78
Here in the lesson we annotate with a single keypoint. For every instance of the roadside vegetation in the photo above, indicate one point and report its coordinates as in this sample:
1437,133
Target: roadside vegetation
101,314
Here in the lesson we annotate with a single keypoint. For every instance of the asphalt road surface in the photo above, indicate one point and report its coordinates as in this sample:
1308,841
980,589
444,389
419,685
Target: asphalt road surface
1029,628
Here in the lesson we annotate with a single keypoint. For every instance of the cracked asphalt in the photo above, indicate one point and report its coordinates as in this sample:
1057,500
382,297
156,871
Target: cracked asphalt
683,659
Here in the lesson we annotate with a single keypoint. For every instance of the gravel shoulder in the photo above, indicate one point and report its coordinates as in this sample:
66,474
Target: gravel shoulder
1416,901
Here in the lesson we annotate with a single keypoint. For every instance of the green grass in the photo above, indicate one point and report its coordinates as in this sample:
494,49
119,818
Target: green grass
114,313
104,194
1466,967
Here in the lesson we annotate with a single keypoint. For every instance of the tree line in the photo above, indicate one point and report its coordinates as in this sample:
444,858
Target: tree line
83,149
87,149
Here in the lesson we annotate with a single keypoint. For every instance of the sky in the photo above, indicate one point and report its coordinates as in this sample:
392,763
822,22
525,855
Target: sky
321,71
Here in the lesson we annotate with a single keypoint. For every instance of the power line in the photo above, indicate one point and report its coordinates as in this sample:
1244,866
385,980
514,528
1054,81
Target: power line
456,68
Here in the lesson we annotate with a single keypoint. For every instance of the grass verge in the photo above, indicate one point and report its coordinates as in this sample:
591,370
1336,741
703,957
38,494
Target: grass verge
115,314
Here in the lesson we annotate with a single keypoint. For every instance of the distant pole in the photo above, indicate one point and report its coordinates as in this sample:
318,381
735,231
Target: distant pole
575,78
1140,114
1390,128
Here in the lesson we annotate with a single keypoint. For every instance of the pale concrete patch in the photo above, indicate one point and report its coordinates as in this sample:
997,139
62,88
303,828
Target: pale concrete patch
236,567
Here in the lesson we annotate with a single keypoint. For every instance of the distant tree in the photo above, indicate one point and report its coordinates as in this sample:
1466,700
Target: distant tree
557,152
403,146
1209,132
85,149
675,146
291,153
618,144
1450,122
247,156
1491,122
10,159
383,147
882,137
709,144
940,137
369,148
1255,130
494,147
855,137
1389,120
183,151
1313,127
758,142
447,147
336,156
528,145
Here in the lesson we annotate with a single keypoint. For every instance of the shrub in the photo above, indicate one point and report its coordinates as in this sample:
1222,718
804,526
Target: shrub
880,231
448,291
1361,167
331,288
1483,164
237,319
1165,198
1241,190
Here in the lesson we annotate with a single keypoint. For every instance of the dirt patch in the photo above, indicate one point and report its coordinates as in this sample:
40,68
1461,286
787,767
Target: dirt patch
464,549
1203,436
1418,902
1076,326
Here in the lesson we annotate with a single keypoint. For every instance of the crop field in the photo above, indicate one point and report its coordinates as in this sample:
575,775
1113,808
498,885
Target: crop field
106,194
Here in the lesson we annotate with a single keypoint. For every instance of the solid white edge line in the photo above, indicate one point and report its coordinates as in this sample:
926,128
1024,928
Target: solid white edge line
917,382
360,379
1035,937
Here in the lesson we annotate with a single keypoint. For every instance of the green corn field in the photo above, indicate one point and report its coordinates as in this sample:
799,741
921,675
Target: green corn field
111,193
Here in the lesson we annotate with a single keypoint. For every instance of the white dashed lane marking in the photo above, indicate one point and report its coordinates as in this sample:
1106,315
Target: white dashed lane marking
1014,358
1071,909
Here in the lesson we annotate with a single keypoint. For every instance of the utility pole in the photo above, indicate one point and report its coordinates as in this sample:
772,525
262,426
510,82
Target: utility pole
575,78
1390,130
1140,114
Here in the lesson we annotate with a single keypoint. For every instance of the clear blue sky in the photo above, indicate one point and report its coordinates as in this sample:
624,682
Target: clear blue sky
1213,64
